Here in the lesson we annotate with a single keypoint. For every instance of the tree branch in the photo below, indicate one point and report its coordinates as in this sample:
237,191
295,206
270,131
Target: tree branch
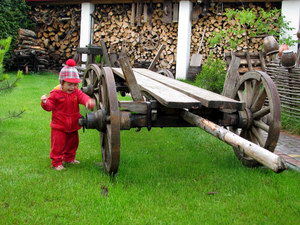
13,115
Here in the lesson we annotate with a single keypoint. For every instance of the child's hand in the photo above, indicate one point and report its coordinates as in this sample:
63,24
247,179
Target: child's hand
90,104
44,98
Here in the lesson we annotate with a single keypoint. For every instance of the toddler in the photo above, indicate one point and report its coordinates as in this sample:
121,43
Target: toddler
64,103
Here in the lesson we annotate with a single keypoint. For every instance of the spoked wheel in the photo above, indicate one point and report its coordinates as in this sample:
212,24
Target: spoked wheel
261,117
110,134
166,73
90,83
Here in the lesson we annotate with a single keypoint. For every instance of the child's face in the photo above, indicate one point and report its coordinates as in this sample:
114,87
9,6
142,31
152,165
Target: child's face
68,87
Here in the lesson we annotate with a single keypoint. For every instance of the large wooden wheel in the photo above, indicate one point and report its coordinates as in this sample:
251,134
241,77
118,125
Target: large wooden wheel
166,73
110,136
261,117
90,82
100,84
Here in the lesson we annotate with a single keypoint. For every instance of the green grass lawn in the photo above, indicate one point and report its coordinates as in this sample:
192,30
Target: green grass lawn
166,176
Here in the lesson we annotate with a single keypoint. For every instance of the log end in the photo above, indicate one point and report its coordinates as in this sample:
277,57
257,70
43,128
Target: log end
280,165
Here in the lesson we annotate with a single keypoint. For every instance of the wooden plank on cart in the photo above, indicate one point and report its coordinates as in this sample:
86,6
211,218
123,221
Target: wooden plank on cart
207,98
165,95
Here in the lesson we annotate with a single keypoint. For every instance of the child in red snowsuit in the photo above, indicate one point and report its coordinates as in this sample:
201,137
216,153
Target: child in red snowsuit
64,103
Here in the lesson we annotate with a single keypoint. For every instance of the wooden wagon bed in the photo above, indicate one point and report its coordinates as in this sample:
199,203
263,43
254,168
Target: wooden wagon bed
176,94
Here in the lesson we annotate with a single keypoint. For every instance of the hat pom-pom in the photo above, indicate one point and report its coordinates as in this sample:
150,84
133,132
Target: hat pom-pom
71,62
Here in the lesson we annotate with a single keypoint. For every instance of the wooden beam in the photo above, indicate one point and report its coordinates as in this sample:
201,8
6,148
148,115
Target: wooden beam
130,78
72,2
265,157
232,76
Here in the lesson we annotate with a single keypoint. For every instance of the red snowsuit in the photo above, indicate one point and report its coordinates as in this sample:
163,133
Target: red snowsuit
64,123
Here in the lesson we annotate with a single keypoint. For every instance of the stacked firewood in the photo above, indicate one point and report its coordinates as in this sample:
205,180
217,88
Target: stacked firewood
142,35
29,51
139,38
139,31
58,30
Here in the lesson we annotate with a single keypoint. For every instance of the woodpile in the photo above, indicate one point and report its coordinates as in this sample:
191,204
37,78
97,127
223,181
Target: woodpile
58,31
140,36
137,28
29,55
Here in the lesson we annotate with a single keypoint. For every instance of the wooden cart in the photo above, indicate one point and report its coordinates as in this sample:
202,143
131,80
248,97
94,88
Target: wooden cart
250,122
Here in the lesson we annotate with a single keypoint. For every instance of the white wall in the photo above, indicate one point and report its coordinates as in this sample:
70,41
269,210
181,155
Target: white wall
183,39
86,23
291,11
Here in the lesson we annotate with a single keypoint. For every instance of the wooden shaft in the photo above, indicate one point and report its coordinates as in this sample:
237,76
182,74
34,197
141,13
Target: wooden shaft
265,157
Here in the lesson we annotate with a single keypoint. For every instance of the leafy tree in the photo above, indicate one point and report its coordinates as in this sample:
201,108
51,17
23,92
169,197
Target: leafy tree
247,23
13,15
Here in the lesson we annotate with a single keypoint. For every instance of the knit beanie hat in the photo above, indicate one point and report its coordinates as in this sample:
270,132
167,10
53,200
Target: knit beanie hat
69,73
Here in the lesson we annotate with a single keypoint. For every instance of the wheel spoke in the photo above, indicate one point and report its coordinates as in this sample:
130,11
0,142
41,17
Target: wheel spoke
261,125
258,136
261,113
88,81
241,95
249,93
259,100
91,76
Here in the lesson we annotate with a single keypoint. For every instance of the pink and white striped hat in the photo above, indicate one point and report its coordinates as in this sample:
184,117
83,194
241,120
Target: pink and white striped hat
69,73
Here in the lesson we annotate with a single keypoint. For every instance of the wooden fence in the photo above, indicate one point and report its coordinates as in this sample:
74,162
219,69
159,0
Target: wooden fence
288,85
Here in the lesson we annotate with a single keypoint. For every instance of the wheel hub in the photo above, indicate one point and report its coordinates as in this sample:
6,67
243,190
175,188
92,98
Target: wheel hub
95,120
245,118
89,89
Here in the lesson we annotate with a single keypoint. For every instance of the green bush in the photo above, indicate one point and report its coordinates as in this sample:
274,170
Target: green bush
212,75
4,47
13,15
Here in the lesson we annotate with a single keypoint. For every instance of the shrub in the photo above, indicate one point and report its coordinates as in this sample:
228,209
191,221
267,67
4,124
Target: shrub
247,23
212,75
4,47
4,78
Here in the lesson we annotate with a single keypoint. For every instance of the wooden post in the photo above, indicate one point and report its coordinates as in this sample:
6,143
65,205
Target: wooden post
262,61
184,39
232,76
105,54
250,68
175,12
132,18
139,13
130,78
145,13
265,157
